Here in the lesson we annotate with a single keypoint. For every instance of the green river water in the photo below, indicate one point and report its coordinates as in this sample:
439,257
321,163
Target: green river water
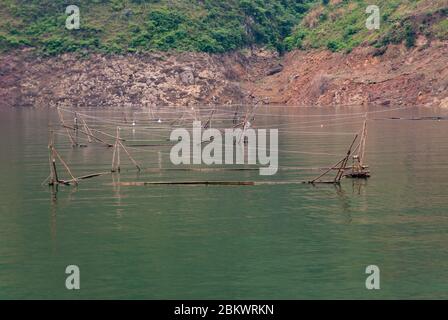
271,241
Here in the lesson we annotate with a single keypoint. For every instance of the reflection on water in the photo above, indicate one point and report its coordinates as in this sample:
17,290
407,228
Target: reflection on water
275,240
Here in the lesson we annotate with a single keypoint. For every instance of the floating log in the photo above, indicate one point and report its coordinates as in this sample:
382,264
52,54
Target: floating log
93,175
199,169
210,183
358,175
149,145
436,118
89,176
234,169
322,182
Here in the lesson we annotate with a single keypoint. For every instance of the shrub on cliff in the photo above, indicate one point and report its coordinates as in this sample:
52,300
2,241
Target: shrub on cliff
146,25
341,25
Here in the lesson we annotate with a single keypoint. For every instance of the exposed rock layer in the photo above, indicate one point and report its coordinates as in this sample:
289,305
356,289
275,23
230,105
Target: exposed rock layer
395,76
118,81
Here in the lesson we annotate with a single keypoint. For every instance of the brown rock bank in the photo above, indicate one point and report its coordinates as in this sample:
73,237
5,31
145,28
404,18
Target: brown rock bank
396,76
117,81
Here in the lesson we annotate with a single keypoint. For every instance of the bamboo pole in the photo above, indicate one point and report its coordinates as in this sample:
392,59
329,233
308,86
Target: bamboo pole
45,181
130,157
106,134
76,128
113,157
61,119
51,160
326,172
235,116
87,129
340,173
244,124
363,144
341,170
342,167
88,176
118,149
178,119
66,167
208,123
211,183
53,163
94,137
116,153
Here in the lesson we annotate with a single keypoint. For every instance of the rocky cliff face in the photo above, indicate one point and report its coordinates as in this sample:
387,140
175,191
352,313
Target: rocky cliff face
396,76
119,81
367,76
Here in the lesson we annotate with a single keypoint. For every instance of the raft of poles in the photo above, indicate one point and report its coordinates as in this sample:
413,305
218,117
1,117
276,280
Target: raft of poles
89,129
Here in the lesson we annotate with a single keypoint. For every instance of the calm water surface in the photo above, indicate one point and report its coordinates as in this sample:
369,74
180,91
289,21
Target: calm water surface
278,241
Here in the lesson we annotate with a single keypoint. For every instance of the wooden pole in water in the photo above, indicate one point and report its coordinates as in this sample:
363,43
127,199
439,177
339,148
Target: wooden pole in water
116,153
53,166
208,123
235,116
244,124
326,172
61,119
113,159
342,163
76,128
87,129
130,157
104,133
363,144
89,134
113,156
53,174
340,173
66,167
118,149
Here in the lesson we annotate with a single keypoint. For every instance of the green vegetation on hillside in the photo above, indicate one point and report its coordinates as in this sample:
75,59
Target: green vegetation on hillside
339,25
119,26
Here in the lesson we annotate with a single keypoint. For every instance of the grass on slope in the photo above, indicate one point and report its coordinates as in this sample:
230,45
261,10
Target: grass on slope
339,25
120,26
